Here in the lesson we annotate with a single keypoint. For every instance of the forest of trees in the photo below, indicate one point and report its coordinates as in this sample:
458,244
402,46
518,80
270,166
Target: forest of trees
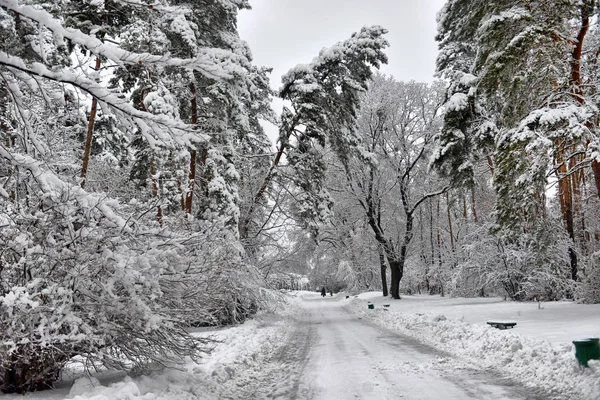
486,182
140,195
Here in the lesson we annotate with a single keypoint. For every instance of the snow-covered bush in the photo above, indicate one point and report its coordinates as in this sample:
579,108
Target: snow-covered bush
530,266
589,289
78,280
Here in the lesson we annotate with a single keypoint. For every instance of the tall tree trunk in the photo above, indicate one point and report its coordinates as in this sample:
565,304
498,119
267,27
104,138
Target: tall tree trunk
155,187
90,134
439,237
491,164
395,279
473,209
587,7
398,268
577,183
585,237
596,171
464,204
450,230
189,197
383,270
431,243
567,189
566,204
388,249
192,172
423,250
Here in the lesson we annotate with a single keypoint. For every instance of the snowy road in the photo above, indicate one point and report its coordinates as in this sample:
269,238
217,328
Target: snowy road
331,354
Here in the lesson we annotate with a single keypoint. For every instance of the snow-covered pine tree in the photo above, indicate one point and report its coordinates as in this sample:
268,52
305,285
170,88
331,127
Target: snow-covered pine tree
85,274
462,139
526,66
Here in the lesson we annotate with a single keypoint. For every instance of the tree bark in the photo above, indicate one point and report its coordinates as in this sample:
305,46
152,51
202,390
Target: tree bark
473,209
566,205
450,230
383,271
155,191
439,236
431,243
189,197
192,173
397,268
596,171
490,161
395,279
567,188
90,134
576,79
423,250
464,204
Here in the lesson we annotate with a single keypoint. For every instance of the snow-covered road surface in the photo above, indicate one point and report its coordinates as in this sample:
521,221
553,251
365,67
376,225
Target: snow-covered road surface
311,348
335,355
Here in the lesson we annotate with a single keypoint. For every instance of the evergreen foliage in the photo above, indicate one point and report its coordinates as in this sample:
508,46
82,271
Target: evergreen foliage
520,95
140,195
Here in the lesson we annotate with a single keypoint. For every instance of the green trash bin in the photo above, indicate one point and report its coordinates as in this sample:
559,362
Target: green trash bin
595,353
586,350
371,306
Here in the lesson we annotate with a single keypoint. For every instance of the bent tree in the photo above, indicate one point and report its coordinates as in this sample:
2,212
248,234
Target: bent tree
324,97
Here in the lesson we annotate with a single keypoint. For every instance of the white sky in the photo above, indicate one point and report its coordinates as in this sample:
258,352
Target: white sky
283,33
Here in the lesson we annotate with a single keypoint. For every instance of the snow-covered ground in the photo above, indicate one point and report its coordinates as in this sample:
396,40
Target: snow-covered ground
557,322
285,354
240,350
538,351
353,358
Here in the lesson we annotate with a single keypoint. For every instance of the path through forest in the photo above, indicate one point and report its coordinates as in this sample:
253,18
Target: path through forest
332,354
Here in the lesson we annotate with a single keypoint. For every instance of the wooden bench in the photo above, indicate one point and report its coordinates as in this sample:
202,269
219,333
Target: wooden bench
502,325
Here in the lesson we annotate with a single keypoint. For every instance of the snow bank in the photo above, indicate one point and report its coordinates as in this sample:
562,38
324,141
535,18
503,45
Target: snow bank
241,348
533,361
90,389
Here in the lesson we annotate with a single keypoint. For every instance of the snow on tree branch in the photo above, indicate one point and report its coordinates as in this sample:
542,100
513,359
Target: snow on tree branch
213,63
152,125
56,188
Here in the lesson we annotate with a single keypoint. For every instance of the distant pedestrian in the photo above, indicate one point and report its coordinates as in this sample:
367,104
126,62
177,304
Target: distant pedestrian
323,292
330,292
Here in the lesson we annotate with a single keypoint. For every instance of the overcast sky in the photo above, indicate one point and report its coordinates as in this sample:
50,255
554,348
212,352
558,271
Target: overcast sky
283,33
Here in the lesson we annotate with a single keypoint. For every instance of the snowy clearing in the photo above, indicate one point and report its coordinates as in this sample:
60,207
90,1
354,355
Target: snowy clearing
538,351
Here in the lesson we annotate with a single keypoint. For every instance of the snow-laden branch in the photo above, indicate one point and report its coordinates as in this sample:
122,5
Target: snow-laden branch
156,128
427,196
156,6
56,188
213,63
